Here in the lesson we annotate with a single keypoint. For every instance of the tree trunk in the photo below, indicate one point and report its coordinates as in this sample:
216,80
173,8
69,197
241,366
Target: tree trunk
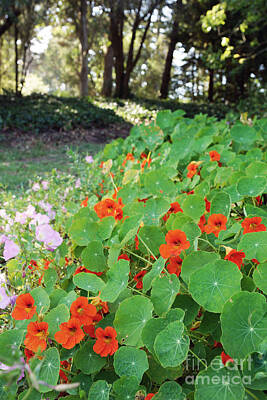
116,37
211,85
85,49
108,67
16,58
166,76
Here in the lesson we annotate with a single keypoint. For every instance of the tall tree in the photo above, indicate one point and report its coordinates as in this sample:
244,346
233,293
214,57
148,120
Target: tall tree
173,40
83,33
138,14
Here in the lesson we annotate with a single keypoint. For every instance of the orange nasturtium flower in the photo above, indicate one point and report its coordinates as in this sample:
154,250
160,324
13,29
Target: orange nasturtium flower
37,333
235,256
109,208
84,203
175,208
139,279
70,333
174,266
106,342
192,168
216,224
90,329
214,155
101,305
83,311
253,225
176,242
25,308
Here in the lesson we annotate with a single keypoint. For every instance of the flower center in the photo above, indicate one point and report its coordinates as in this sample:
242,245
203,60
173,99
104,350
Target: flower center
107,339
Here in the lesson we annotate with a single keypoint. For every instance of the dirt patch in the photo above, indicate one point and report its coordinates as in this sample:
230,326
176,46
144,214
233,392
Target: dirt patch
95,134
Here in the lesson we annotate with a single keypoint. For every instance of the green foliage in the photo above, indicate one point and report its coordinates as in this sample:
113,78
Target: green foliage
166,314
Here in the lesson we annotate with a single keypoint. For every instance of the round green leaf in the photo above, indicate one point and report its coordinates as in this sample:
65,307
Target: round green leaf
260,277
89,282
129,361
195,261
254,245
126,387
244,320
154,210
217,383
152,237
55,317
221,204
194,206
131,317
93,257
251,187
41,299
169,391
158,374
151,330
50,278
156,269
49,370
188,305
118,276
99,391
243,134
164,290
171,345
87,360
214,284
10,341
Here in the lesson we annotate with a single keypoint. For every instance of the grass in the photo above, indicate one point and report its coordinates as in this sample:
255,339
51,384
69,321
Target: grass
18,166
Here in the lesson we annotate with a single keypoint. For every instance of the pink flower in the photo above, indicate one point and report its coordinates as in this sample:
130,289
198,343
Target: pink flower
78,183
30,212
21,218
45,184
40,219
11,249
36,187
89,159
4,298
51,238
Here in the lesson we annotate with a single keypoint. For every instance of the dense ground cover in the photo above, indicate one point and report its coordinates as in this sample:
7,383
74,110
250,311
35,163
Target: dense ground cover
142,270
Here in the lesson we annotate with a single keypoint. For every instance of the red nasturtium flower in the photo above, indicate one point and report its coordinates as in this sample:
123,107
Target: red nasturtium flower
235,256
70,333
225,358
90,329
25,308
139,279
109,208
106,342
175,208
201,223
84,203
176,242
216,224
129,157
83,311
207,204
253,225
28,354
192,168
67,366
123,257
149,396
214,155
174,266
37,333
84,269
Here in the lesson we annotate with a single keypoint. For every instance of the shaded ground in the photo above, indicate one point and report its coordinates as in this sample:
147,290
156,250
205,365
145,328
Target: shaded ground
24,155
